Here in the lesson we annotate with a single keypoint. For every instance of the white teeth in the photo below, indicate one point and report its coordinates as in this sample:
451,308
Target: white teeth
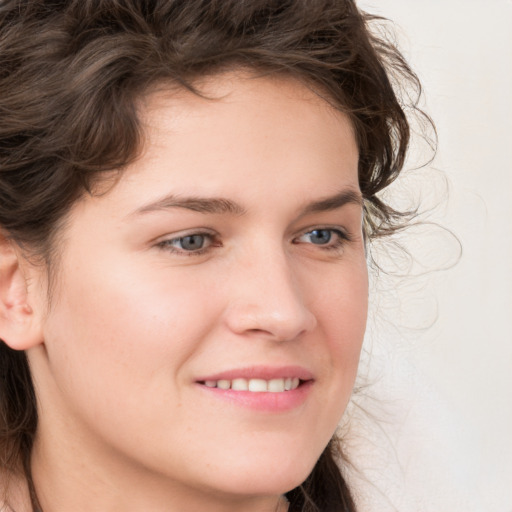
276,385
224,384
239,385
255,385
258,385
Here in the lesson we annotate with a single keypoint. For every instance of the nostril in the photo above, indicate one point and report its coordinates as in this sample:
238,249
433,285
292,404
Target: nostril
282,315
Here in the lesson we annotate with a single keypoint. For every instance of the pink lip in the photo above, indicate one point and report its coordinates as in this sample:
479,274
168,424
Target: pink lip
263,401
261,372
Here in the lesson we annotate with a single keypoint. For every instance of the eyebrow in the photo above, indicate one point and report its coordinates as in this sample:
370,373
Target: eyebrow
348,196
214,205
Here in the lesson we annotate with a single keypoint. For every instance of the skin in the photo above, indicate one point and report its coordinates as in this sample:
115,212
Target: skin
136,319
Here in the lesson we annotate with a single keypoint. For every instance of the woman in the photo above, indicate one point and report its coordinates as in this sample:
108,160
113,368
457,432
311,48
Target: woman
187,194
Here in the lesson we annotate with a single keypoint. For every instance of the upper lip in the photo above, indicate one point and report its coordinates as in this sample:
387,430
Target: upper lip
261,372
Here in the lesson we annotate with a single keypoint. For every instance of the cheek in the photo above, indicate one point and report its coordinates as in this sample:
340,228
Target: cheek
115,328
342,311
118,346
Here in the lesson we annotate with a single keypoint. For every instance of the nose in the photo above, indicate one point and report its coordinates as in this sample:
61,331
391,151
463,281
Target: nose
267,299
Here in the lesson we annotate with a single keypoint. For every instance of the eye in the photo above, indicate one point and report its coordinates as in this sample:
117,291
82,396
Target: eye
327,238
319,236
192,244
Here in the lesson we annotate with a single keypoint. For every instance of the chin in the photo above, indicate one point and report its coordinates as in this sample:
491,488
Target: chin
278,476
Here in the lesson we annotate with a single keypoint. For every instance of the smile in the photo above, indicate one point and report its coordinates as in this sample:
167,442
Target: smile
260,388
255,385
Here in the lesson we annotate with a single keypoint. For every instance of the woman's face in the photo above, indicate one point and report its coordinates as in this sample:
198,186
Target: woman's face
229,255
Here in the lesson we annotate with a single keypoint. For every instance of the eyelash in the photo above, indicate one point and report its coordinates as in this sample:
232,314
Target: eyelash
167,244
341,238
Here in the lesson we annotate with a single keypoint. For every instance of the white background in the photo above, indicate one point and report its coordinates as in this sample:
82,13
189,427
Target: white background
437,434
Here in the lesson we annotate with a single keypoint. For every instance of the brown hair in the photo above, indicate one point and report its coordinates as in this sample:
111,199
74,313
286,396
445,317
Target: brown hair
71,72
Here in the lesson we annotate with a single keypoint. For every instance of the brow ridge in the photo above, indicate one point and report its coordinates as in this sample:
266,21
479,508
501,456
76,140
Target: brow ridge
215,205
211,205
348,196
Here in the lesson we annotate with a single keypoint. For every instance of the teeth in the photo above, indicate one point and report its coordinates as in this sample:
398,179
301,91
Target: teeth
258,385
224,384
239,385
255,385
276,385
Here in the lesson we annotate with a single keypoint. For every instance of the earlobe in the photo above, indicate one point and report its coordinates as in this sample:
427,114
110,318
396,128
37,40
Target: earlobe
19,324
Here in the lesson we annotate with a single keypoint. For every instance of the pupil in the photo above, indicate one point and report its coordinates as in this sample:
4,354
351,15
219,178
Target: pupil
192,242
320,236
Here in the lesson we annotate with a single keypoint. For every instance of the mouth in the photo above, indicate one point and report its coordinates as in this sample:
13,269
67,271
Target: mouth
261,388
256,385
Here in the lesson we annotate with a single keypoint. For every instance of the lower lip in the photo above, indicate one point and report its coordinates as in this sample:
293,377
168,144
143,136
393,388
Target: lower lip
263,401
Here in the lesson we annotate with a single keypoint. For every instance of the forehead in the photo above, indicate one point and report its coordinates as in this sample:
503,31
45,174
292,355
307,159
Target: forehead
244,138
242,118
235,87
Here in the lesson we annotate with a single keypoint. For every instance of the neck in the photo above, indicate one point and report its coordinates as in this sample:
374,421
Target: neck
14,493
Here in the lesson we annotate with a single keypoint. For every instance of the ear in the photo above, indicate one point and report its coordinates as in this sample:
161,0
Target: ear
20,327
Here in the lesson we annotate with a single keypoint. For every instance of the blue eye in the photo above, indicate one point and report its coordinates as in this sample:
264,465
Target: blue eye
195,243
320,236
191,242
325,238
